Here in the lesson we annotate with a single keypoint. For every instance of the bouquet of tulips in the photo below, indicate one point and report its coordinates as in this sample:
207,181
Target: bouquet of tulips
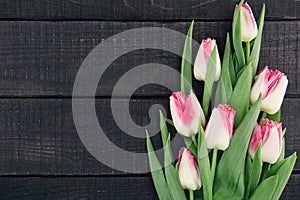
236,149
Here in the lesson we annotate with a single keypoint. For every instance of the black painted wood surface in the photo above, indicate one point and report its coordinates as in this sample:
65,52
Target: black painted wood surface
42,45
127,10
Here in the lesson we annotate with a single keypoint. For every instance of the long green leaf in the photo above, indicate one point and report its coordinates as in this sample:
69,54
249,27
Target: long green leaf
240,97
204,166
157,173
254,57
248,170
186,66
236,37
163,128
190,145
224,89
230,171
172,177
284,170
266,189
256,169
209,81
232,71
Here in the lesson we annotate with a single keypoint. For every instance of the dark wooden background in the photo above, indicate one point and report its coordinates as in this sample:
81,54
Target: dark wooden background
42,45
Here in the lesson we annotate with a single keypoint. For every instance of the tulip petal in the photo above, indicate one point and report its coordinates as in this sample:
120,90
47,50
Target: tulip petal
200,65
203,57
270,151
186,113
272,85
214,129
219,129
188,170
272,103
256,138
248,24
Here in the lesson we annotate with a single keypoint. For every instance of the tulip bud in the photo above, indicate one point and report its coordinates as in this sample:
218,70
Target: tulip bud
188,170
248,25
219,129
186,113
272,85
271,136
203,57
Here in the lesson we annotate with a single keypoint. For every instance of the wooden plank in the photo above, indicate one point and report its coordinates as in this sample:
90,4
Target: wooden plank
42,58
38,136
78,188
140,9
98,188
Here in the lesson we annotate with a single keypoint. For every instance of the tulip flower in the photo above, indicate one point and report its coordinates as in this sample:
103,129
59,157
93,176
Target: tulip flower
188,170
219,129
271,136
186,113
272,85
203,57
248,25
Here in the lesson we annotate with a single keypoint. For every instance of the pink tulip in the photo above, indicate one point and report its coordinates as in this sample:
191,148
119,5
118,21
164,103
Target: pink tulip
248,25
186,113
188,170
271,136
203,57
272,85
219,128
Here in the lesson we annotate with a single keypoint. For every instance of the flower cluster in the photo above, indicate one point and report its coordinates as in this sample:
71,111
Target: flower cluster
244,124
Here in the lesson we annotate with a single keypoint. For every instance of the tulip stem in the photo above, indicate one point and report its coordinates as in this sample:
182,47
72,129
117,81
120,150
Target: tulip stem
213,164
247,52
191,194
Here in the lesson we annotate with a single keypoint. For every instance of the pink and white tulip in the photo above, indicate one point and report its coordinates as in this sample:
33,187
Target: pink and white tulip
248,25
203,57
186,113
271,136
272,85
219,128
188,170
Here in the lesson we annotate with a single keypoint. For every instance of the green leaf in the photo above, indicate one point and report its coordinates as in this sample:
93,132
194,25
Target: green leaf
172,177
232,71
186,66
248,170
266,167
224,89
163,128
230,170
283,132
157,174
284,170
256,169
169,122
199,194
190,145
239,100
204,166
275,117
254,57
209,81
236,37
265,189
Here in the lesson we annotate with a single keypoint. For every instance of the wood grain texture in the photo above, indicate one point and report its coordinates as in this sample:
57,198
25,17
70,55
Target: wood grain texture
42,58
38,136
140,9
78,188
98,188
